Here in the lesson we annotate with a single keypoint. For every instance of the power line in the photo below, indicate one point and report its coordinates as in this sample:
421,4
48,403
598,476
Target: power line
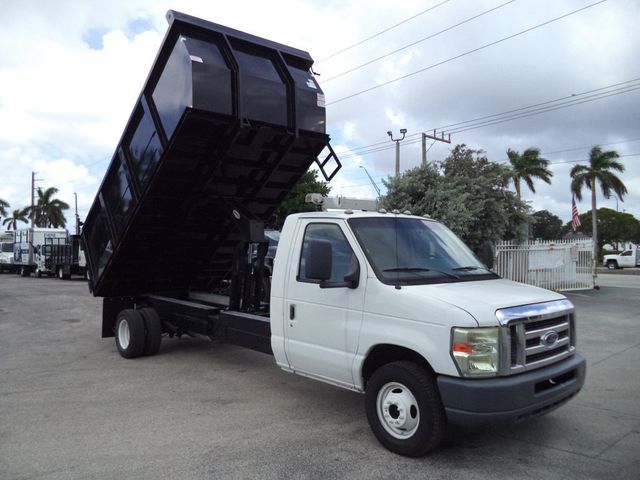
382,31
548,109
585,159
521,112
586,146
504,39
416,42
540,104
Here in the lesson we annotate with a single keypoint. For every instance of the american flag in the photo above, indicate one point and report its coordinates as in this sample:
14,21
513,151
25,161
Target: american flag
575,216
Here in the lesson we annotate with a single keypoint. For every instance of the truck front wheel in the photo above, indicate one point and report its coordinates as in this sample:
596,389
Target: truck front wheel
130,333
612,265
404,409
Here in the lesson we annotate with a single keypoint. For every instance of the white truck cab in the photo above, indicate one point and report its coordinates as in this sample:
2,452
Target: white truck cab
397,306
6,251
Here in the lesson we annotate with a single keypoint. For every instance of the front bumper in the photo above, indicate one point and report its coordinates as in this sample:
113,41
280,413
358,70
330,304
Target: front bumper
480,401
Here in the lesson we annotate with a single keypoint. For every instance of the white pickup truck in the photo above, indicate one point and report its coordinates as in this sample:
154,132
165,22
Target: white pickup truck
627,258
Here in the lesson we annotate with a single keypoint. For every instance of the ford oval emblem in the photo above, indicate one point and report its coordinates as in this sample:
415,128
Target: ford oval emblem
549,339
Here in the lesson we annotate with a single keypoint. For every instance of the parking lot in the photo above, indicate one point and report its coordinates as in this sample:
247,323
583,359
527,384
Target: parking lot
72,408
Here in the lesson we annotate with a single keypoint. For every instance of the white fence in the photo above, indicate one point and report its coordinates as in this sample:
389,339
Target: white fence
555,265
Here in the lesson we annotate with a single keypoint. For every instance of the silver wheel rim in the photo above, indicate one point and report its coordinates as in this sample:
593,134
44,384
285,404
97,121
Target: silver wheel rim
398,410
123,334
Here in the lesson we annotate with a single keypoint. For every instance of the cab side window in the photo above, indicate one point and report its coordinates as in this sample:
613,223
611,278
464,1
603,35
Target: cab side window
342,256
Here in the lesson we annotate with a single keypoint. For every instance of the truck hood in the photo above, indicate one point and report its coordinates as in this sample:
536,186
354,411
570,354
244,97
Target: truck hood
481,299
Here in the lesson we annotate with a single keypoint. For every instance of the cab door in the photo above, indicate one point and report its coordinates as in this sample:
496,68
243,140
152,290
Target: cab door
323,322
627,259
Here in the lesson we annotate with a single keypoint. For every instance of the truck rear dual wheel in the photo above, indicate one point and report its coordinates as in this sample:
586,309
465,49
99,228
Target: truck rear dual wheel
404,409
153,331
138,332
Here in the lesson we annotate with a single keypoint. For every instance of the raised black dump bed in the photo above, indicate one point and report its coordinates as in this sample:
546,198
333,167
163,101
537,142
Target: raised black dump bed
225,126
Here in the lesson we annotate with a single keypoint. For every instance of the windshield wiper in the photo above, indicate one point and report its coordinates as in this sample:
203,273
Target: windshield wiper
407,269
419,269
472,268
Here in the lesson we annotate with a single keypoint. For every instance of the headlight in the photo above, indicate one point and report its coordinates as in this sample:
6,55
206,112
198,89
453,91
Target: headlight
476,351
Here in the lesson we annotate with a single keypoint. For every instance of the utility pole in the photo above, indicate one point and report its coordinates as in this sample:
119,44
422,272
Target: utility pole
403,131
77,217
432,137
33,213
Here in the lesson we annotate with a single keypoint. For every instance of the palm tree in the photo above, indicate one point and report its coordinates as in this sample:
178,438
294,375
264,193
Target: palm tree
48,211
527,167
18,216
3,207
599,169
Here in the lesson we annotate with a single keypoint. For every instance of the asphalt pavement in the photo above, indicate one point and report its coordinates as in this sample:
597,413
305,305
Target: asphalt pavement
72,408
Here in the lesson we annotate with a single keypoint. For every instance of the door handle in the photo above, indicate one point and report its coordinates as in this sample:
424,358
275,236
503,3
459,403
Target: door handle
292,312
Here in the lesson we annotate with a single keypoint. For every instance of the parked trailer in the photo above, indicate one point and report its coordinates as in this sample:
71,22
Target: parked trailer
62,257
28,246
389,305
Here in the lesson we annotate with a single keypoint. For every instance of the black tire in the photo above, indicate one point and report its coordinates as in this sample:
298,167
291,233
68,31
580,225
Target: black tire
405,393
25,272
612,265
130,333
153,331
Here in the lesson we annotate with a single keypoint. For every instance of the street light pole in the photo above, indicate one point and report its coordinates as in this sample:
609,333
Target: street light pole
403,131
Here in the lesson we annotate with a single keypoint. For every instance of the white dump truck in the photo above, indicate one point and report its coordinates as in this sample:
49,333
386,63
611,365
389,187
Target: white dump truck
391,306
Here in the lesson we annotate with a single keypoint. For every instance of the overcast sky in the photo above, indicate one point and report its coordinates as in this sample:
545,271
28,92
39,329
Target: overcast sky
71,71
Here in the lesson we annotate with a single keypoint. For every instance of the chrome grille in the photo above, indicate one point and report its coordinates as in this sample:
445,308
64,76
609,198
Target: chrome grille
536,335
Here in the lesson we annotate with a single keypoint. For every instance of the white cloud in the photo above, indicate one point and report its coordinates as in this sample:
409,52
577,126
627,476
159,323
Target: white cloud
64,105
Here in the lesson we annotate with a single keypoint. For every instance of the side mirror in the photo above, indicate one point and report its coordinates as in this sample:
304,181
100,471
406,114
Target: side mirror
317,260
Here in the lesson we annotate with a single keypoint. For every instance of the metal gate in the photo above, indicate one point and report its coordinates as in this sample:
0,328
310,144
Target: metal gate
554,264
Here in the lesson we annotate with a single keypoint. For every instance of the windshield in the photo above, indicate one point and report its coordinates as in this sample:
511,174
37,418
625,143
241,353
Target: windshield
412,251
273,237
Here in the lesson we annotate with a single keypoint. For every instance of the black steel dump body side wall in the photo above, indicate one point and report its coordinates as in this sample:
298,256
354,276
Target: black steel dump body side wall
226,124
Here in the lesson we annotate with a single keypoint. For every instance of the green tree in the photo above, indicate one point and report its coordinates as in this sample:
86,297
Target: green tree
613,227
18,216
546,226
294,202
466,192
48,211
527,167
600,170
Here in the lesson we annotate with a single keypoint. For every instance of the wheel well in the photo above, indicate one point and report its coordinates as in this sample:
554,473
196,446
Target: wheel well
382,354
